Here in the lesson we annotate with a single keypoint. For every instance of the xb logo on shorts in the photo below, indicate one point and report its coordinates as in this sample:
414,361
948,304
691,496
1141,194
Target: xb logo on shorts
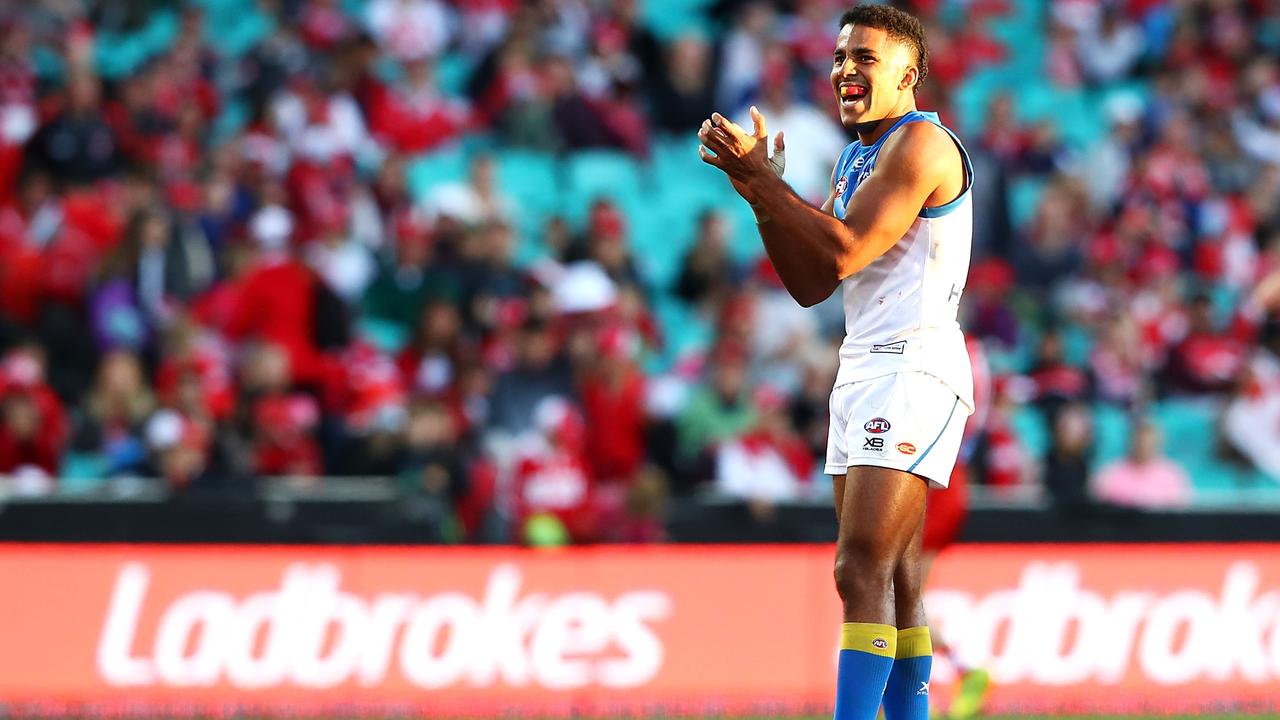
876,426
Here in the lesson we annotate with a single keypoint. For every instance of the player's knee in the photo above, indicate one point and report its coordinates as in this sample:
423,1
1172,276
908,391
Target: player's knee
862,567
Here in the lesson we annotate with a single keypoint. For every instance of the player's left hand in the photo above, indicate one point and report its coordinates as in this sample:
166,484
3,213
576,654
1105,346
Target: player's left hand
741,155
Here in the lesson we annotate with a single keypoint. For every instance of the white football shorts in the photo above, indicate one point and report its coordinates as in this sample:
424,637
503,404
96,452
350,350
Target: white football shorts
908,421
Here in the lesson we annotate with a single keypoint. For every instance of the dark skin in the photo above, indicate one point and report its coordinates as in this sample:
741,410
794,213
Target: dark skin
880,511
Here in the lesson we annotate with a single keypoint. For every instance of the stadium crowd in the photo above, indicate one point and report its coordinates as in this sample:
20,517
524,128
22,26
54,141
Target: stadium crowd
186,296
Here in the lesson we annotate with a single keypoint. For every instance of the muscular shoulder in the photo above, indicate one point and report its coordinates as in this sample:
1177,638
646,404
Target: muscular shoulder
920,148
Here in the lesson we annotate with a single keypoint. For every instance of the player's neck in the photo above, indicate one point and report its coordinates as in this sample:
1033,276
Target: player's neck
872,130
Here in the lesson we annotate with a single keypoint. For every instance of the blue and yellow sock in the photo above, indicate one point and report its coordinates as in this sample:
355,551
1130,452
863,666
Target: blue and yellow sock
866,657
906,695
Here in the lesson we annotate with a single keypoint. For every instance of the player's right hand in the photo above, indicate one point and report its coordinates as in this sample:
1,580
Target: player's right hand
741,155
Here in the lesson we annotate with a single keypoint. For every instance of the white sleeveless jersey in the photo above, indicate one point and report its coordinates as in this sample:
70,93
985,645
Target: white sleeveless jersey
900,311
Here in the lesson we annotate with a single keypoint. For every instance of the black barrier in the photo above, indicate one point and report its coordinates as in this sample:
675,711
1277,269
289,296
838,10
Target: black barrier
372,512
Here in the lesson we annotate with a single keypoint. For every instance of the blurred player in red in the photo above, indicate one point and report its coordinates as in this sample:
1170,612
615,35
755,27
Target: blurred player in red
943,522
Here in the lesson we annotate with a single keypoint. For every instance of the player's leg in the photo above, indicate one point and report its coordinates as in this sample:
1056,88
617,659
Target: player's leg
906,695
880,512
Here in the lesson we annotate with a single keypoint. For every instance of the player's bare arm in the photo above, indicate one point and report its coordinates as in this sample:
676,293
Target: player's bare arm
811,249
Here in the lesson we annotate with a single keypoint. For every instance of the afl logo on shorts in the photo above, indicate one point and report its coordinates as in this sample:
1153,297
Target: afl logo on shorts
876,426
841,185
881,643
906,448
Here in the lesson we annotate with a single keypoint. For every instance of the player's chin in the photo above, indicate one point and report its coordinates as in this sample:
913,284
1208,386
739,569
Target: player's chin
851,115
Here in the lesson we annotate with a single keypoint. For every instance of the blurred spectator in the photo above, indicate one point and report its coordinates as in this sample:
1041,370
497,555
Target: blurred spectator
341,261
1109,48
1051,251
1146,478
404,285
1057,383
742,57
431,471
77,146
551,475
142,280
1118,365
115,413
607,243
410,29
178,450
479,201
684,95
719,409
708,272
767,464
1066,467
432,360
1206,360
276,300
540,372
999,456
34,428
811,405
414,116
18,114
284,443
613,402
986,311
1251,419
643,510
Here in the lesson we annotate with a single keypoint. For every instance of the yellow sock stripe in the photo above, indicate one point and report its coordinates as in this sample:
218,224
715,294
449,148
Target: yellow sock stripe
914,642
871,638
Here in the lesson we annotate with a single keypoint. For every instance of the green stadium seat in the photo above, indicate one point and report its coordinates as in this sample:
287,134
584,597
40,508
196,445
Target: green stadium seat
1032,430
82,472
426,171
1190,434
1024,197
685,330
233,27
385,335
603,173
531,177
452,72
678,171
231,120
119,55
1111,432
1077,343
670,18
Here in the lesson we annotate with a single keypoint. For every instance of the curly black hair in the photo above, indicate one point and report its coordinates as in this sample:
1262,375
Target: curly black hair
900,25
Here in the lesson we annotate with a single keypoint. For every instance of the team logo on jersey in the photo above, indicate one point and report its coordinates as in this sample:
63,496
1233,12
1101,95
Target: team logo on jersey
841,185
893,348
906,448
876,426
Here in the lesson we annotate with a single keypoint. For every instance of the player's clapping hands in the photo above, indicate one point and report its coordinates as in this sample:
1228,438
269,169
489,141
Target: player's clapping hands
741,155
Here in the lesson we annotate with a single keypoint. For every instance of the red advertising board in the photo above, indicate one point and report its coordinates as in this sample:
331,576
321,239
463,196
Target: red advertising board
471,631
